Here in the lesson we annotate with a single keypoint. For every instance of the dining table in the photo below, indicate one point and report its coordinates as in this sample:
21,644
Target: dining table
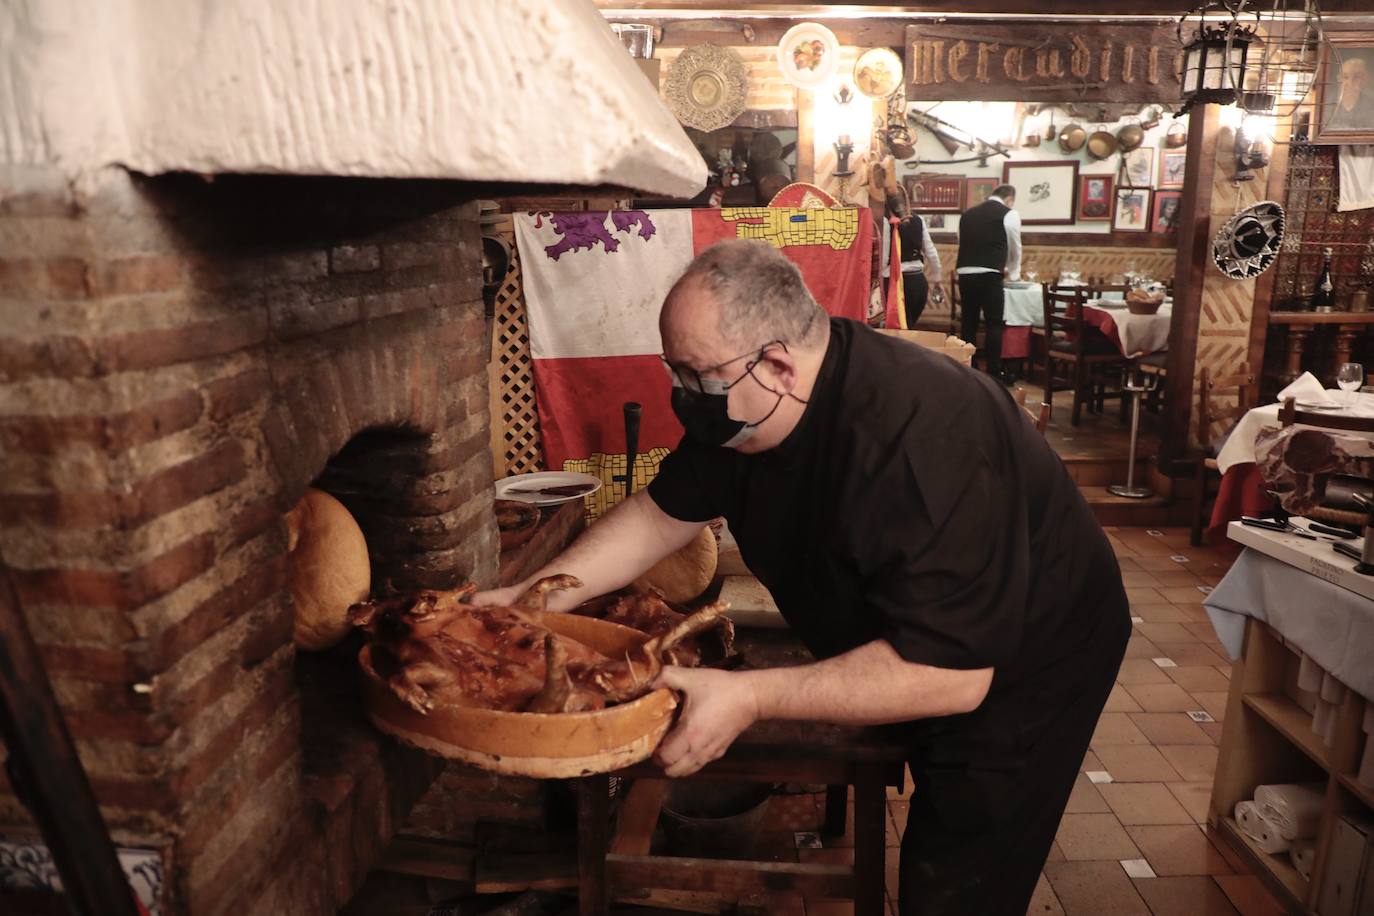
1134,335
1243,491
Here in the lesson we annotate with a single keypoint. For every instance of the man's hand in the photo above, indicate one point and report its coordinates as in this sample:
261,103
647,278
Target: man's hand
717,706
500,597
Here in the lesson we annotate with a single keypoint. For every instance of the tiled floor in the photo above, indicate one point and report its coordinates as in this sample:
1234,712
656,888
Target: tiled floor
1133,838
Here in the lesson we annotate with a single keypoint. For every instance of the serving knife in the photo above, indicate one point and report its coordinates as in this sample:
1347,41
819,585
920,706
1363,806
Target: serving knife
570,489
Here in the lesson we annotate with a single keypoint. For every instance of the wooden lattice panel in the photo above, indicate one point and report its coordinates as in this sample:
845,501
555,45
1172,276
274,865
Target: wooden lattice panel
517,447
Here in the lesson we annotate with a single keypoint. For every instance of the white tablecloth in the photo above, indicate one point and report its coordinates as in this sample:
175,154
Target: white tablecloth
1240,445
1024,307
1136,333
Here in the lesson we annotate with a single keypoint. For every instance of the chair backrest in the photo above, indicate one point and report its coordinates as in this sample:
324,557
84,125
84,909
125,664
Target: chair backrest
1289,415
1041,419
1100,290
1212,387
1064,310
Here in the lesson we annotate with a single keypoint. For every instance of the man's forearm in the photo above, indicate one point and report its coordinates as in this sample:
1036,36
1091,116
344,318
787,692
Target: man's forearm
870,685
616,549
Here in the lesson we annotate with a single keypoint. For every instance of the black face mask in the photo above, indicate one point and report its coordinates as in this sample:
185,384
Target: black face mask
702,405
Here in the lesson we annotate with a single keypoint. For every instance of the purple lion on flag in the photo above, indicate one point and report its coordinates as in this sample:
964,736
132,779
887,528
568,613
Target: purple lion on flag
587,230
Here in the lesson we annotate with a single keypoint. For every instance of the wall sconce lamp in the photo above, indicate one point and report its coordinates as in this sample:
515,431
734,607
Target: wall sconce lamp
1250,148
843,150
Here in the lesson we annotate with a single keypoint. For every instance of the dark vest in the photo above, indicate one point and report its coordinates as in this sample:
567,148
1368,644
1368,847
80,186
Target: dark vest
912,232
983,235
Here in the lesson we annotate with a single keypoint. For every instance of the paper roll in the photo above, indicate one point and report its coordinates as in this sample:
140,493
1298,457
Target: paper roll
1322,717
1333,691
1296,810
1309,674
1304,855
1258,828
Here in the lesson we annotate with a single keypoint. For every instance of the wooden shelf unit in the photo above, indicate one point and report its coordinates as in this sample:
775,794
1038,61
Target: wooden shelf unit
1268,738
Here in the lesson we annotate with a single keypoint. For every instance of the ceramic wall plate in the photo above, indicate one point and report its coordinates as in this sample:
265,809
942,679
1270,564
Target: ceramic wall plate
706,87
878,73
808,55
1249,242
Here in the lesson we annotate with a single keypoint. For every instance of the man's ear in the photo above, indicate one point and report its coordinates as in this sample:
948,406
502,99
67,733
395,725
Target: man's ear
782,366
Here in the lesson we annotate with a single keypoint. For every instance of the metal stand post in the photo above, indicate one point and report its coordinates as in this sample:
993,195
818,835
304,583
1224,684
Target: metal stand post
1137,383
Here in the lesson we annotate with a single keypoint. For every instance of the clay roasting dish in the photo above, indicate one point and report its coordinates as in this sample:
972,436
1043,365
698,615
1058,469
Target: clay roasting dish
520,690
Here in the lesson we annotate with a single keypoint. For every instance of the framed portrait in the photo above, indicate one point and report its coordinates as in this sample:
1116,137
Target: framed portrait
935,221
935,193
1132,210
1046,191
1345,89
1139,166
1095,198
1164,211
1172,163
977,190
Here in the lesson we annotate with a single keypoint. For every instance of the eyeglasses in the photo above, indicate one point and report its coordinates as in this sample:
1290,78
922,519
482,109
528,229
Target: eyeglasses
690,379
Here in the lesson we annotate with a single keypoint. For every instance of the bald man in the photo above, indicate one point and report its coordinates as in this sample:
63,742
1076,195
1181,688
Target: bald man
917,534
1354,110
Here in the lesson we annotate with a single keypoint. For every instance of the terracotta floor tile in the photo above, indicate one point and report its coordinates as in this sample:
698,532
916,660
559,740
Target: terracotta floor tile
1249,895
1128,564
1195,763
1198,677
1179,849
1095,889
1137,763
1117,728
1169,728
1090,762
1143,545
1212,730
1212,701
1203,630
1146,596
1195,797
1161,613
1164,632
1043,901
1196,613
899,811
1121,701
1161,697
1160,564
1138,578
1143,803
1096,837
1182,595
1141,671
1056,854
1085,799
1184,896
1182,578
1140,647
1192,653
893,839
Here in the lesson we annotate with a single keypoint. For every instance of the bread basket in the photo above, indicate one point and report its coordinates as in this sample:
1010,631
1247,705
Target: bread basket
542,745
1142,302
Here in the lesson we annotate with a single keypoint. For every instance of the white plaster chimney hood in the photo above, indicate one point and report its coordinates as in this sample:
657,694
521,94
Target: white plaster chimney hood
523,91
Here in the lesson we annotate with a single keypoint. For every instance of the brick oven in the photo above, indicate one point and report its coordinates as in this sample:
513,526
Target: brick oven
206,308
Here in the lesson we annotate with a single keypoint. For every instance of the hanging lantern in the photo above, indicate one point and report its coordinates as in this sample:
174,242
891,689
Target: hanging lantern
1214,56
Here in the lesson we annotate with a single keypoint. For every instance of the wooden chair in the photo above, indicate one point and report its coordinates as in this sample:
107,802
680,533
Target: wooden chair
1289,415
1041,419
1068,341
1208,413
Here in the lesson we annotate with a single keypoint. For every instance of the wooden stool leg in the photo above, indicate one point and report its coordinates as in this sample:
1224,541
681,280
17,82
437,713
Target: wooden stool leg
836,810
593,838
870,840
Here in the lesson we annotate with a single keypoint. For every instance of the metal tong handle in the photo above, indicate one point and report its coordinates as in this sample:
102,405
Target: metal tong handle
633,412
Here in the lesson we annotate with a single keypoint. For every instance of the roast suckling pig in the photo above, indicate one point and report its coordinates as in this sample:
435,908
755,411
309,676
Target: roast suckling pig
435,648
650,613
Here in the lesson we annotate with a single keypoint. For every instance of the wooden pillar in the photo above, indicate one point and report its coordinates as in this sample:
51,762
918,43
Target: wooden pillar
1193,255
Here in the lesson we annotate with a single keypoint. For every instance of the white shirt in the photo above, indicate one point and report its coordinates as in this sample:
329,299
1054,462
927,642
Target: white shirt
931,266
1012,223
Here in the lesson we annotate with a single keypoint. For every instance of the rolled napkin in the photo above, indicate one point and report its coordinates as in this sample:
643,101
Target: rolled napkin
1306,388
1296,810
1304,854
1309,674
1258,828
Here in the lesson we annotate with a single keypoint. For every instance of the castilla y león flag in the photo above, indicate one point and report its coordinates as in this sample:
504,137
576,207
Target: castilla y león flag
595,281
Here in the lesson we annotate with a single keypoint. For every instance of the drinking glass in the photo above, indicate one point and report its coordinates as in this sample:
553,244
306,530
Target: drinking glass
1350,376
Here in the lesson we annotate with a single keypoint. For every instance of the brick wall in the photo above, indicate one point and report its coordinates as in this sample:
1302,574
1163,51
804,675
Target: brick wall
179,359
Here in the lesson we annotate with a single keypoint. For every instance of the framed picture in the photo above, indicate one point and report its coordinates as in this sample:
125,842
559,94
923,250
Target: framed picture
1046,191
977,190
1164,211
1132,210
1345,89
1172,162
935,221
1095,198
1139,166
935,193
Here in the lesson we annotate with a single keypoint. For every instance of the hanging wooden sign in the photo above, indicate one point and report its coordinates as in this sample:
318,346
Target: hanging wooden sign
1058,62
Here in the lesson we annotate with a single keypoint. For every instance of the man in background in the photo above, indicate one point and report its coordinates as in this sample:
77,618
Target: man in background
989,248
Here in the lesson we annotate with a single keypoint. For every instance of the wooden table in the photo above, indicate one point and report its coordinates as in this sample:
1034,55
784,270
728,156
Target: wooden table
771,752
1301,325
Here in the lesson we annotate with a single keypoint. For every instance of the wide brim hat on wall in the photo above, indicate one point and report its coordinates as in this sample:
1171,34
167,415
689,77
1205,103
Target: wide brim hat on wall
1249,241
707,87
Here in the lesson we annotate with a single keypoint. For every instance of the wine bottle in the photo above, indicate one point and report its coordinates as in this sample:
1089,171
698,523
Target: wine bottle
1324,295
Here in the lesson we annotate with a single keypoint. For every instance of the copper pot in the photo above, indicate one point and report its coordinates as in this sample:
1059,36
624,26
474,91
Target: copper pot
1130,137
1176,136
1101,145
1072,138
